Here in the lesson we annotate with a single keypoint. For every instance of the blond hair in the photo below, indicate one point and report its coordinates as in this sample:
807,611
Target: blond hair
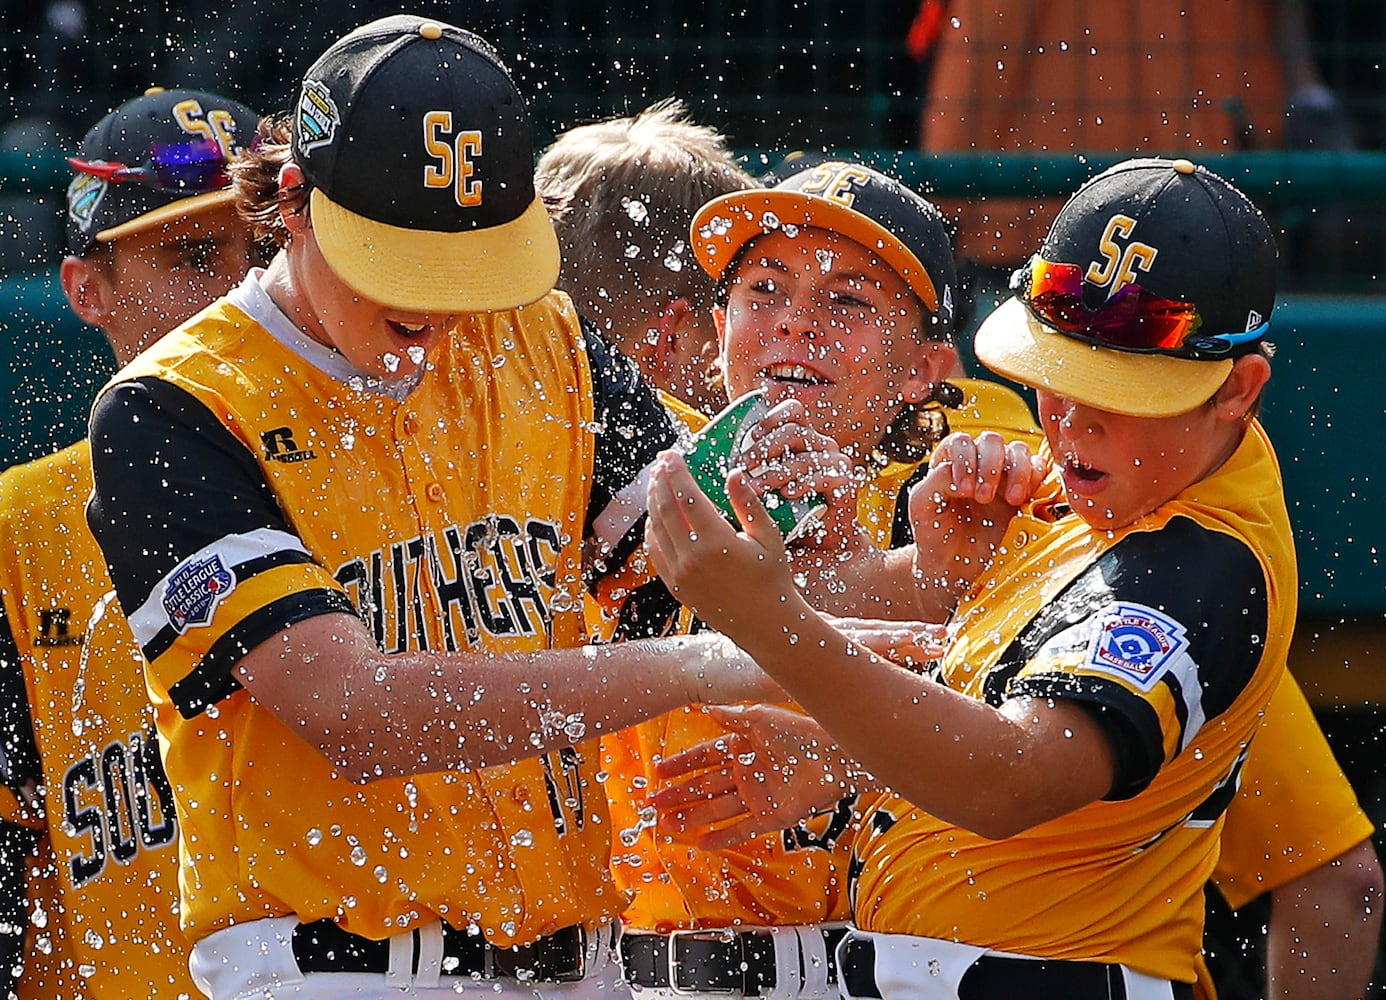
622,195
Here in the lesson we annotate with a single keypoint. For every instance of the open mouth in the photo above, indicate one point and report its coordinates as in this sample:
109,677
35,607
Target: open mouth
793,375
409,331
1084,472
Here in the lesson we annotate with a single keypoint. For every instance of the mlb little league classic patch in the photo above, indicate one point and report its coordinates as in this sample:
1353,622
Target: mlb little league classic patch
194,590
1135,642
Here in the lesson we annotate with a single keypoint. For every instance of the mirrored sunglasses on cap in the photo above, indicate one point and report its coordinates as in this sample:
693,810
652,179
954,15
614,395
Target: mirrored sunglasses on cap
192,167
1132,319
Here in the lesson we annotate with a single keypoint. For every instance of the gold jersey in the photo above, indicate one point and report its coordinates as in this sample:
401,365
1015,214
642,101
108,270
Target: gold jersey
1174,631
450,515
105,921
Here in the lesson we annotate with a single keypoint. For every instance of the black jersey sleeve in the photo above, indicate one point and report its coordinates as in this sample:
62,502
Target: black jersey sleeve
633,427
19,756
1184,608
174,485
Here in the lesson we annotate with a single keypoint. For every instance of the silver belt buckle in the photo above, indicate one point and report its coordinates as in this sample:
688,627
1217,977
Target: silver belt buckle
723,934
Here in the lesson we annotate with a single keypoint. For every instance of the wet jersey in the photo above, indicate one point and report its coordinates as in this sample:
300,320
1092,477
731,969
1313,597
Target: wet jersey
78,726
1172,631
247,480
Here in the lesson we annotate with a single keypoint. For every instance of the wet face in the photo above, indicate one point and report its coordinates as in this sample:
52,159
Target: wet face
1118,468
376,339
817,317
160,277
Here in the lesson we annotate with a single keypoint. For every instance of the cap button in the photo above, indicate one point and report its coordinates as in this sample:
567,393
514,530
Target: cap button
153,90
1184,166
431,30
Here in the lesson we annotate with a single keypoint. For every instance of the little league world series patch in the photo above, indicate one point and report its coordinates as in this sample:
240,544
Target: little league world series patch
1135,642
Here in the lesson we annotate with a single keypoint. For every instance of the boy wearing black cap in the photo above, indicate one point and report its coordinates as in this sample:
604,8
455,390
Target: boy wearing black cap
1117,636
349,511
152,239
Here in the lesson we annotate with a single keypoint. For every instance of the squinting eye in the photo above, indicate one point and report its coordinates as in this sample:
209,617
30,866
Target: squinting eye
851,300
766,286
198,257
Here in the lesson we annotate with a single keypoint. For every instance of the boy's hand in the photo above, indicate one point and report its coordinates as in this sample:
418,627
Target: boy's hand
960,510
773,768
739,582
784,453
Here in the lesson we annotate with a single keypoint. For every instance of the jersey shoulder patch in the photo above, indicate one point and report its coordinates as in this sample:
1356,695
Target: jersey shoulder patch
1135,642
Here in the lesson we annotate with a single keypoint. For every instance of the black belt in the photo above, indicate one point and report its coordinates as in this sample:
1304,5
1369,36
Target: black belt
996,977
712,961
323,946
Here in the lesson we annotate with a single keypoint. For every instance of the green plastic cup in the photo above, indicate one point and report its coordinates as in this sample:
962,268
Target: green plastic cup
716,450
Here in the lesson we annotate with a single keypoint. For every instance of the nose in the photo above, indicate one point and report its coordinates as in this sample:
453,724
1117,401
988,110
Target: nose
1070,418
800,317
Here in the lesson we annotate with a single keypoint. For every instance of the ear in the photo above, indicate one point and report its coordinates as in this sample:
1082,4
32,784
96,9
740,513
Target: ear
88,289
719,321
295,220
933,362
1237,398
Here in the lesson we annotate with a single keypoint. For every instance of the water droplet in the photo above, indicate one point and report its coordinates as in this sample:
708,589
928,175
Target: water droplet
522,838
390,360
314,837
358,856
635,208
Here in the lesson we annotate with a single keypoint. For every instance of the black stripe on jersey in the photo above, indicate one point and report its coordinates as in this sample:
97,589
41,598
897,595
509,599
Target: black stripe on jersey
211,680
19,756
171,480
168,635
1208,581
901,531
635,426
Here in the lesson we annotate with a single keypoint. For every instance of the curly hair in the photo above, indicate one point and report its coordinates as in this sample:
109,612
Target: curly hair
255,179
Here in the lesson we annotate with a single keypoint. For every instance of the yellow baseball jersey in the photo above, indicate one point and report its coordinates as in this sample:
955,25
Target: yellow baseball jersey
1295,809
270,484
1173,632
74,696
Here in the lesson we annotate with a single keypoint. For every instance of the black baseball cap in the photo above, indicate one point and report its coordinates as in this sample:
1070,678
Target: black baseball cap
884,216
160,156
1164,229
421,157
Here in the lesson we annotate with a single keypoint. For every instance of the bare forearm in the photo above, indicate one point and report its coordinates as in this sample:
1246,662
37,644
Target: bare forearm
873,584
1324,927
995,772
377,716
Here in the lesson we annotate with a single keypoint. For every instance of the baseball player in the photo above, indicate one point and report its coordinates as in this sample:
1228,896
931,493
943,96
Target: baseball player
622,193
844,304
152,238
1081,749
347,509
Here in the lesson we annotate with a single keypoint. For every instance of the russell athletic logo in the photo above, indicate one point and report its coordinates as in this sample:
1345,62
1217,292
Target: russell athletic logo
195,589
280,446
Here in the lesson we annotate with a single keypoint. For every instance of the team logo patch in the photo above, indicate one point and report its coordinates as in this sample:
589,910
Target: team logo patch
318,117
194,590
1136,642
84,196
